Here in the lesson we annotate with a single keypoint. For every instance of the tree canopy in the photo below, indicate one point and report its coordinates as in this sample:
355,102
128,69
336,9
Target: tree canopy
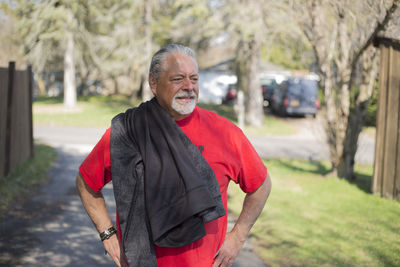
114,40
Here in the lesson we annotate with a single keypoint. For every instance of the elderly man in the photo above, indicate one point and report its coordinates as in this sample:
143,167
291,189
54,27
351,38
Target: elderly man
171,162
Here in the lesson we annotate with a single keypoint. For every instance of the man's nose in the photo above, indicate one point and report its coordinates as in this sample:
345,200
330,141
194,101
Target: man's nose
188,85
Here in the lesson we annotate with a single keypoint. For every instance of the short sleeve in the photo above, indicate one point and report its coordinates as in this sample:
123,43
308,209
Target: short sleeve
96,168
252,172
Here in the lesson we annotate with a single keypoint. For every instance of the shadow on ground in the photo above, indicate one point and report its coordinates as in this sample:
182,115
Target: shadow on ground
52,229
361,180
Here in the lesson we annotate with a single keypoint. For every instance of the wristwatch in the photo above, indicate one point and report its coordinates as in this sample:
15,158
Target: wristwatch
108,233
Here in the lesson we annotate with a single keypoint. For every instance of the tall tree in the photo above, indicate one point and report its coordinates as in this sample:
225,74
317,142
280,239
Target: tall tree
50,29
9,44
251,25
244,21
341,34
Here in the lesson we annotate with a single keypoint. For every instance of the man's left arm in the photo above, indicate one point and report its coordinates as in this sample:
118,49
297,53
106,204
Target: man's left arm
253,204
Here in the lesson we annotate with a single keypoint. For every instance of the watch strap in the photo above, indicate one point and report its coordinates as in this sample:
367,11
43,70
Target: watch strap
108,233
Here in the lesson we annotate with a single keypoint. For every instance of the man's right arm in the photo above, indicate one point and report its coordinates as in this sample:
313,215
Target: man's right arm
95,207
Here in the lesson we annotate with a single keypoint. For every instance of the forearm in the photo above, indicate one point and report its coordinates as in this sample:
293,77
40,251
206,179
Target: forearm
252,207
94,205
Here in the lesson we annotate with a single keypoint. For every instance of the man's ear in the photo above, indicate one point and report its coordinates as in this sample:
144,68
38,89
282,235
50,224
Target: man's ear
153,84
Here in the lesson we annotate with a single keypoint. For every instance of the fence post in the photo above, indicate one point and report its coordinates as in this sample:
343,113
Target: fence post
30,97
11,71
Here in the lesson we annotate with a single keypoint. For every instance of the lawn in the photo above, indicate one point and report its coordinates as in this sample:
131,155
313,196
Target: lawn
26,177
313,220
94,111
97,111
272,125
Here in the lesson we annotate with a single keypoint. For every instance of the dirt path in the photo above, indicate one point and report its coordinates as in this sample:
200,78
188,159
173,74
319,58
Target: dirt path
52,228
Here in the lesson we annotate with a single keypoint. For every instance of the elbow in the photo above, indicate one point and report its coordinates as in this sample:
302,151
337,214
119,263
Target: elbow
268,185
83,188
269,182
78,183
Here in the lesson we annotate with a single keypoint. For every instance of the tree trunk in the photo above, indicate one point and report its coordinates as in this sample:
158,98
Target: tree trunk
369,71
345,166
332,30
41,85
69,73
146,91
248,81
83,86
115,83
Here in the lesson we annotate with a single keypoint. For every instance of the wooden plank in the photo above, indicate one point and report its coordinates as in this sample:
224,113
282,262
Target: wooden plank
11,70
20,139
30,115
381,121
3,117
389,166
397,173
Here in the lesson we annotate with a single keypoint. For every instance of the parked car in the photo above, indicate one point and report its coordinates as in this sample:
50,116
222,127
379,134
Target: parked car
268,86
231,95
296,96
213,86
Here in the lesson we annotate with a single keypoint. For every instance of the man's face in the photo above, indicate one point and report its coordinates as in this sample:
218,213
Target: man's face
177,86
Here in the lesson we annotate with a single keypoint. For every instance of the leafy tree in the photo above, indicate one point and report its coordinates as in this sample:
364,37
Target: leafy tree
50,30
289,49
9,45
245,23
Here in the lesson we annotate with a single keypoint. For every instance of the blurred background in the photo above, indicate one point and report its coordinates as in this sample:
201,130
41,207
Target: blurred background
306,80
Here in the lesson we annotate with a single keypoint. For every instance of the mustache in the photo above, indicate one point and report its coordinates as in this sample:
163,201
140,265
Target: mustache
185,94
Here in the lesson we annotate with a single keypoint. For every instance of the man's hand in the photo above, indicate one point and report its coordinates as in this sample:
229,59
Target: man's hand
113,248
252,206
95,206
229,250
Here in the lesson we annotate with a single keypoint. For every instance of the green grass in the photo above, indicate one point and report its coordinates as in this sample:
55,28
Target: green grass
313,220
272,125
97,111
93,111
26,177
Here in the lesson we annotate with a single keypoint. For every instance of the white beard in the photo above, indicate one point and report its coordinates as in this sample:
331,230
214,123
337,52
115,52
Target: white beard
184,108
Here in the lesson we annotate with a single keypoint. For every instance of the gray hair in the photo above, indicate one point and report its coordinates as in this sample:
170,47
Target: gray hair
160,56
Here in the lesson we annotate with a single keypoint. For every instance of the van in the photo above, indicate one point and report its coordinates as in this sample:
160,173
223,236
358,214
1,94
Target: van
296,96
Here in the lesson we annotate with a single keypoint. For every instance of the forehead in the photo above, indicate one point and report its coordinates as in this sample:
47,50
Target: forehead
179,62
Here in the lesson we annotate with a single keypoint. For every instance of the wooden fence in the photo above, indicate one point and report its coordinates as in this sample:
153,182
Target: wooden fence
386,181
16,136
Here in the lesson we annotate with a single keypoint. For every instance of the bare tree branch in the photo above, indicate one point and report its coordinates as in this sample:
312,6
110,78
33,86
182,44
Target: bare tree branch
380,26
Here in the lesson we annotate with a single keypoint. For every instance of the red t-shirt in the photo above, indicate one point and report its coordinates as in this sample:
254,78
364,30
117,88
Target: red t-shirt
229,154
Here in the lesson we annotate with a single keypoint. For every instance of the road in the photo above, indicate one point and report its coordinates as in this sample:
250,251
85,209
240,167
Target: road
52,228
308,143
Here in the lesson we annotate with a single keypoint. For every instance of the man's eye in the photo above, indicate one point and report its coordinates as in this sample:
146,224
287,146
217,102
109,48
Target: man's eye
177,79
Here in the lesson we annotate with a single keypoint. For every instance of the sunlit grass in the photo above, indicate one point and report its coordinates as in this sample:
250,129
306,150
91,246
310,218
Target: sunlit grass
94,111
26,177
272,125
97,111
313,220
